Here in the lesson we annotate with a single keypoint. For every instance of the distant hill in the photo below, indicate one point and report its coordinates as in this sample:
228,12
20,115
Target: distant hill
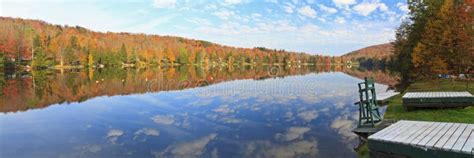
375,52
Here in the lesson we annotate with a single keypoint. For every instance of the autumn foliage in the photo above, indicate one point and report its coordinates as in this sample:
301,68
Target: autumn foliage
437,38
47,45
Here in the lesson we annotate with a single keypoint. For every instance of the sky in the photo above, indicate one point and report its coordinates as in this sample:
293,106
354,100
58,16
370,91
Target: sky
329,27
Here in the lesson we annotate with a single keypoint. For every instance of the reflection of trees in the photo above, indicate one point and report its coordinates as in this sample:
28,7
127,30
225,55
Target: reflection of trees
43,88
379,76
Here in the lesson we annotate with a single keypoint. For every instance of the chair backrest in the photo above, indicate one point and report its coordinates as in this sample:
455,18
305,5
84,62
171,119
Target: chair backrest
367,92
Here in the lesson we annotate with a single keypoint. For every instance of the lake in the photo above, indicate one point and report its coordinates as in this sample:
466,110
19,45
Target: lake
302,111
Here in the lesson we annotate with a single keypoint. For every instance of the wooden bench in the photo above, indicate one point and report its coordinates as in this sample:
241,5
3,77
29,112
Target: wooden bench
423,139
437,99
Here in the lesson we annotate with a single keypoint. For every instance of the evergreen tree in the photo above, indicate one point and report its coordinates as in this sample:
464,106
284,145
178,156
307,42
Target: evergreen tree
183,56
122,55
40,59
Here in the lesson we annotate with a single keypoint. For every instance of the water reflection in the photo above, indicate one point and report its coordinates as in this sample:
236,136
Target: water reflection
243,112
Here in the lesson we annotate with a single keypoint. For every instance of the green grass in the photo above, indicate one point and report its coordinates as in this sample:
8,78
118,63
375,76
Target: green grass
441,85
395,111
363,151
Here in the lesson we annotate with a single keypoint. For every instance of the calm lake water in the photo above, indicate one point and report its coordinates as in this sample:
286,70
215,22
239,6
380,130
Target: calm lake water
183,112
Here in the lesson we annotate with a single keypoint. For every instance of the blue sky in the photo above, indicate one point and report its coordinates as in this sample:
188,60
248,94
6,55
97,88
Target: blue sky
330,27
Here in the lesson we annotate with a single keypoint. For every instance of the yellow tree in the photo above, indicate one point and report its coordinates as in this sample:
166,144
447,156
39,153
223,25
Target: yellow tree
159,56
170,56
430,53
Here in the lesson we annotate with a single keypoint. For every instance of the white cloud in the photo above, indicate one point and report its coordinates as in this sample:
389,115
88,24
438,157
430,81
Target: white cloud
272,1
344,127
114,134
322,19
199,21
306,148
224,14
403,7
224,109
194,148
383,7
343,3
340,20
256,15
146,132
288,7
310,1
366,9
293,133
93,148
308,115
232,2
160,119
210,7
327,9
309,28
307,11
164,3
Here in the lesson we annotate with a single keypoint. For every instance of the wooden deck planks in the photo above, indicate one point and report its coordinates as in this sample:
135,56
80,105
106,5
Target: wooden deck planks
462,139
440,143
469,145
430,135
437,99
382,97
438,135
425,133
382,133
405,126
410,132
449,137
436,94
450,143
417,133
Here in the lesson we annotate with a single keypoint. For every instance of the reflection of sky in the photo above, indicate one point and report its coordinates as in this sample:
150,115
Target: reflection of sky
294,116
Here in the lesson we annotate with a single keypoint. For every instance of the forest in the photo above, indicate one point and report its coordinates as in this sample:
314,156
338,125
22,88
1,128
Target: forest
36,44
436,38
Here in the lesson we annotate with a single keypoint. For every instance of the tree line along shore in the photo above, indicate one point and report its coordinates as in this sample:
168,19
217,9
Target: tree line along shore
37,44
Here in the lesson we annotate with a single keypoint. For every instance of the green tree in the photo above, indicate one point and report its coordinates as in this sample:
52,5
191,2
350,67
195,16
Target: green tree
73,42
2,61
40,59
200,57
183,56
122,55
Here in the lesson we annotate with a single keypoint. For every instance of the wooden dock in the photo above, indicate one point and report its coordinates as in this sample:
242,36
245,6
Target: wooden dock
437,99
383,98
423,139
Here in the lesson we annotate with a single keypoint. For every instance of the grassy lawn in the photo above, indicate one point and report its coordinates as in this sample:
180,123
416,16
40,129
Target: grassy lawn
395,111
